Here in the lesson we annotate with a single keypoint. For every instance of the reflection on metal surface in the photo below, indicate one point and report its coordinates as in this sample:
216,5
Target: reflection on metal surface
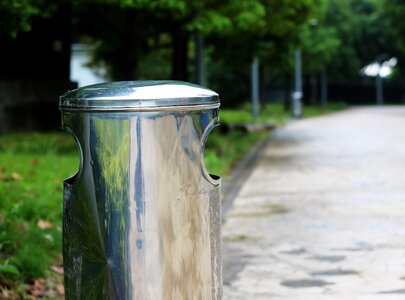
140,95
142,215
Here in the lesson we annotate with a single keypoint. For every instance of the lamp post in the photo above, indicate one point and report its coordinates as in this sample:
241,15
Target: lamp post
379,80
297,95
200,65
324,88
379,88
255,88
380,69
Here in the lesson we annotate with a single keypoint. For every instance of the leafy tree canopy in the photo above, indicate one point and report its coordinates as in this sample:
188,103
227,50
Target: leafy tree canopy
394,15
16,15
363,32
394,11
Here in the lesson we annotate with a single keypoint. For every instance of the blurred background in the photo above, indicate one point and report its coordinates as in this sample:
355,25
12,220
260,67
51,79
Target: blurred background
259,55
48,47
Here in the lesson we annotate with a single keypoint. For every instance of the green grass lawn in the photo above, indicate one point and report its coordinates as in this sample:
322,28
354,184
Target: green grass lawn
32,169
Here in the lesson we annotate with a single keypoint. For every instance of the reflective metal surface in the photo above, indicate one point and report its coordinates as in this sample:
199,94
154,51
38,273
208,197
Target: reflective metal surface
138,96
142,215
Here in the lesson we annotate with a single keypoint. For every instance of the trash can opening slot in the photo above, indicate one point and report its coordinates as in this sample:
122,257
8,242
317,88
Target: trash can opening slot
71,180
213,179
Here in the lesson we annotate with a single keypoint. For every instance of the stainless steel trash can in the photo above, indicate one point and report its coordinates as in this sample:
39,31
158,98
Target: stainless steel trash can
142,215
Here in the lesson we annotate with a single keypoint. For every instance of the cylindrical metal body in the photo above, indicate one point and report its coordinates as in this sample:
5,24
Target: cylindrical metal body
142,215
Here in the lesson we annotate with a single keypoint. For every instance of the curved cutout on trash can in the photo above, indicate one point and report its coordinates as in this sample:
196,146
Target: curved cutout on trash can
211,178
72,179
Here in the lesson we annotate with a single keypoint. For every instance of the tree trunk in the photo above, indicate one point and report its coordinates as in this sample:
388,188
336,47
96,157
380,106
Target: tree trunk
314,89
324,88
199,59
125,67
255,87
262,85
123,61
179,52
287,92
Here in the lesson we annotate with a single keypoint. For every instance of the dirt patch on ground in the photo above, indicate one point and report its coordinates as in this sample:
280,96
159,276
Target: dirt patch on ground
259,211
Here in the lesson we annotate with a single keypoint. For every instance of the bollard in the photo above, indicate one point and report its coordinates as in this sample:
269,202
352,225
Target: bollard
142,214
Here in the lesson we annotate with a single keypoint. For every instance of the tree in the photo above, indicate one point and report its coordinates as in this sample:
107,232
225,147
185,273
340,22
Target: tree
17,15
123,36
138,25
319,42
274,44
364,34
151,22
394,14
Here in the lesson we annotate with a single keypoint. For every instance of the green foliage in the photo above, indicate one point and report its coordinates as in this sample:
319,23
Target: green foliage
285,17
37,143
274,43
208,16
394,11
363,32
8,269
224,151
274,112
212,20
33,259
244,28
16,15
349,34
314,111
394,14
319,45
32,167
161,23
230,79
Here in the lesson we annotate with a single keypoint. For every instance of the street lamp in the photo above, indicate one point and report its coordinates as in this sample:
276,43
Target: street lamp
378,80
297,95
380,69
255,88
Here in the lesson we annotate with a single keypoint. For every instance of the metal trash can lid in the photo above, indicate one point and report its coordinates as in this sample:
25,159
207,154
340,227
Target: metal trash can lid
140,96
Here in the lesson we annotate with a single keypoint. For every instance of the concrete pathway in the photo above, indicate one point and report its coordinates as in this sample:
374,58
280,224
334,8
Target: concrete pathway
322,216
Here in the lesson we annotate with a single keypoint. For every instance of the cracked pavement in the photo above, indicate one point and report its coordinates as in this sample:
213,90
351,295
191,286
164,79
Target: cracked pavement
322,216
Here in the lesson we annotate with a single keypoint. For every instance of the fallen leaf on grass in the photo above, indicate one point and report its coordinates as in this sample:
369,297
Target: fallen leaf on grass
16,176
57,269
22,226
60,289
7,294
39,283
38,288
34,162
4,294
2,170
4,178
42,224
